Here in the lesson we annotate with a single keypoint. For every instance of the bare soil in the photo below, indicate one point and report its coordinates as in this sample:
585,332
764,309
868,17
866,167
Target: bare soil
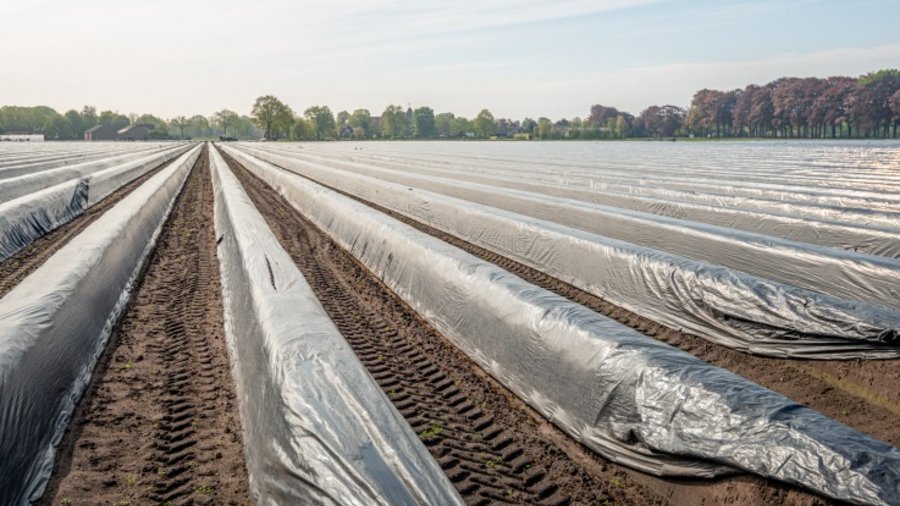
862,394
17,267
492,446
159,423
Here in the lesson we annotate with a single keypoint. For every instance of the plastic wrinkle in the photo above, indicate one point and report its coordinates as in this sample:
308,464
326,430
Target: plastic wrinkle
729,307
32,166
29,217
16,187
838,273
634,400
873,233
317,428
56,322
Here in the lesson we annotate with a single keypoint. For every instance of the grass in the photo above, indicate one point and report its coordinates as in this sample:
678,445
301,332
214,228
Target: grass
130,479
206,490
491,464
431,432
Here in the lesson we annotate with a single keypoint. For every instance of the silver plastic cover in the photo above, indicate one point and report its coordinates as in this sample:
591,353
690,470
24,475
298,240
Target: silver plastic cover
317,428
55,324
634,400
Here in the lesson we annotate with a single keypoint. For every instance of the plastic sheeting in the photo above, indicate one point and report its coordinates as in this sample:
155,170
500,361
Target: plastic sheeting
317,429
16,187
873,233
628,397
725,306
32,166
841,174
837,273
55,324
27,218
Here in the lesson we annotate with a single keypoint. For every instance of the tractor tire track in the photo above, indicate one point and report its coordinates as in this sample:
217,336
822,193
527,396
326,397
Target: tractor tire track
491,447
159,424
857,393
625,486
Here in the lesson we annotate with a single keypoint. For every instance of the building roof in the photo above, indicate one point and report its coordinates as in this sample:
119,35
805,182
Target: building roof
126,129
94,128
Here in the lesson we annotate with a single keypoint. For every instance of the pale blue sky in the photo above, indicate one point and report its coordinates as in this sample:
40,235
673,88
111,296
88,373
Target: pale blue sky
517,58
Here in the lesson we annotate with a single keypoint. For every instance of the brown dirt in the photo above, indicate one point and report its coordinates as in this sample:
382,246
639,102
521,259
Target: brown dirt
159,423
492,446
17,267
859,393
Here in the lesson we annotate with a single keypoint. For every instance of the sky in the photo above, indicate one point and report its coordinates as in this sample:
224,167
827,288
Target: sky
517,58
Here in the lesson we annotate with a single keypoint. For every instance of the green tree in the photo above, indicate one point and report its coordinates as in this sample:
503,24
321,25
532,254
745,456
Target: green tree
303,130
322,120
158,124
443,124
199,126
395,122
284,121
224,120
89,117
179,122
343,119
529,126
424,120
114,120
544,128
268,112
77,124
361,118
460,126
484,124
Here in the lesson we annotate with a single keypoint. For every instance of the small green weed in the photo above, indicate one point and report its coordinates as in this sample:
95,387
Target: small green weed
493,462
206,490
431,432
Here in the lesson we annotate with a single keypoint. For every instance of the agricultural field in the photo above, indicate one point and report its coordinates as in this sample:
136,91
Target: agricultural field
668,323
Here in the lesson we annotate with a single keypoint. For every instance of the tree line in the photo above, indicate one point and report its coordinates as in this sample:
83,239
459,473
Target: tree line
835,107
72,124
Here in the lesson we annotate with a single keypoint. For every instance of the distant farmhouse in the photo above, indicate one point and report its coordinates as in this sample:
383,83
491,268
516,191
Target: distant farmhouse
129,133
100,133
21,136
135,133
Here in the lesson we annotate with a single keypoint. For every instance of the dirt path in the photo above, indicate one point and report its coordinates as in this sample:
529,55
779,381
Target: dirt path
859,393
159,424
494,448
17,267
